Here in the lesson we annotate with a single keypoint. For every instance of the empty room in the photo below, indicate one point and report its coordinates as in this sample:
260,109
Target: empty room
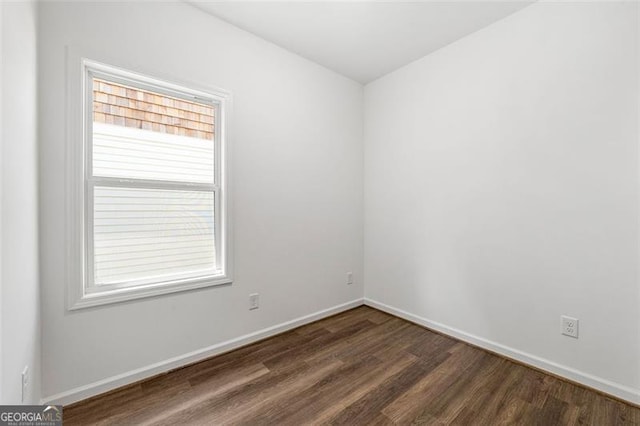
319,212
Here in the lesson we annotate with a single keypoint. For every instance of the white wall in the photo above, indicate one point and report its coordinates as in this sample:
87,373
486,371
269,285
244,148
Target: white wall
1,145
297,179
20,319
501,189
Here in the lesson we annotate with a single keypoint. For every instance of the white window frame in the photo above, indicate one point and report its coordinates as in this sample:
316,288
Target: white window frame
82,291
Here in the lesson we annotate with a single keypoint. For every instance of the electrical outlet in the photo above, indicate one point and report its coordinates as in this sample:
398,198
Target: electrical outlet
349,278
25,383
569,326
254,301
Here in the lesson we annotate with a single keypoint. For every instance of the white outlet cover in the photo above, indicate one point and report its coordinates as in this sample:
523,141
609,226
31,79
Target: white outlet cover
25,383
254,301
569,326
349,277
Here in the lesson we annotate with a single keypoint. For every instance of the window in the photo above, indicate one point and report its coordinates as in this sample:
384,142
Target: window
154,205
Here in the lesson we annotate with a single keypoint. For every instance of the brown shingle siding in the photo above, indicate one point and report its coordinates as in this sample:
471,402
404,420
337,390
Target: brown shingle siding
125,106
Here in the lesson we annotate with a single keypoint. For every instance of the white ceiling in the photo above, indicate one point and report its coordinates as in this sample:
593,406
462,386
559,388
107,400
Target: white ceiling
362,40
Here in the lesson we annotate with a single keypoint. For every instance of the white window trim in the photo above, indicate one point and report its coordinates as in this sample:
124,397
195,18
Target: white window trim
81,293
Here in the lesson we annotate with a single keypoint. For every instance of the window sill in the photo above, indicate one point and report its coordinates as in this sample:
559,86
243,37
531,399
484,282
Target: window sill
92,299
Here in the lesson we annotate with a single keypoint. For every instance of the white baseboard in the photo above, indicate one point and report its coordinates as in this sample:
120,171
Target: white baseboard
110,383
615,389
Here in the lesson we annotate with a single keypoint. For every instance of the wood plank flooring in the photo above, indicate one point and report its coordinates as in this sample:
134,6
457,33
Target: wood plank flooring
361,367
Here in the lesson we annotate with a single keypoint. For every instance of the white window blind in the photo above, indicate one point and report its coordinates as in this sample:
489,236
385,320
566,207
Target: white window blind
148,224
143,234
123,152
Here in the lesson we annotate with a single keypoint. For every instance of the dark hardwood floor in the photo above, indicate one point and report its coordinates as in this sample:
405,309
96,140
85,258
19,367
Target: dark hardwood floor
361,367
